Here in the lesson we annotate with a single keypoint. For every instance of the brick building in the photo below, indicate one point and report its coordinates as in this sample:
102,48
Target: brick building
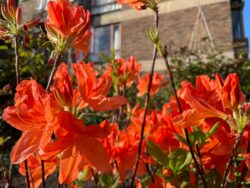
120,28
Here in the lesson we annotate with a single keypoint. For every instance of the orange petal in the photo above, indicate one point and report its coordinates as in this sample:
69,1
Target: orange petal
98,156
102,103
26,146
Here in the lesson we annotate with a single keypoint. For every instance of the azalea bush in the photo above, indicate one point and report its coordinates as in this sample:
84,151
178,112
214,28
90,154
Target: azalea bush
118,127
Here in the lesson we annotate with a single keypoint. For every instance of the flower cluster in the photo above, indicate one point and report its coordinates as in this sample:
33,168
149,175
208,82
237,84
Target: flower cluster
68,26
202,130
124,72
40,114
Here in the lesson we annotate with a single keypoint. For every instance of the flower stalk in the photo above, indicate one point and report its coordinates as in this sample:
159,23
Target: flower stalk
146,102
231,159
17,60
198,166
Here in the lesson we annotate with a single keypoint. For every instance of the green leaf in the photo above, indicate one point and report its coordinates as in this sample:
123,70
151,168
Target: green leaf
214,178
158,155
107,180
213,130
197,136
179,160
181,139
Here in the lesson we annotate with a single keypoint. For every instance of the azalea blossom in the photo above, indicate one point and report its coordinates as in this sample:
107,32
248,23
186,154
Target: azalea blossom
68,26
136,4
229,91
11,25
28,115
94,90
125,71
80,145
157,82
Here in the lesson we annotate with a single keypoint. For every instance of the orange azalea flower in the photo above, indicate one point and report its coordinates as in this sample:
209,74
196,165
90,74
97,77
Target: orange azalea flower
94,90
28,115
157,82
11,24
68,26
200,108
67,97
80,145
137,4
126,148
126,71
229,90
35,172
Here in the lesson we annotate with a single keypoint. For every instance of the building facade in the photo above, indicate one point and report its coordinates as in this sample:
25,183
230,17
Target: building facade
120,28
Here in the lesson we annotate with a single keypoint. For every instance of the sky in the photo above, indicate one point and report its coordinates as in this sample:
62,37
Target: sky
247,19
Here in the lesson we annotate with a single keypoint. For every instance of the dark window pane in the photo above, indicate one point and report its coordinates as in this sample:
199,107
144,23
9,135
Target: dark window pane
237,24
102,39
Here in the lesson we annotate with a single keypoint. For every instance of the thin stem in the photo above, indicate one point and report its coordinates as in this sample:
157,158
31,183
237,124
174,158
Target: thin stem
17,60
230,161
198,166
43,175
56,60
53,71
200,157
146,103
27,172
244,170
149,172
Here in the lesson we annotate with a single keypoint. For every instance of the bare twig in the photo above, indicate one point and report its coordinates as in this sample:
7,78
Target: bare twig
17,60
198,166
56,61
200,157
230,161
146,103
27,172
149,172
43,175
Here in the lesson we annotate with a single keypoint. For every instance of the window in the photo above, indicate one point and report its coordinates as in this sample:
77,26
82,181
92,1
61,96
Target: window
102,2
238,31
105,39
237,19
104,6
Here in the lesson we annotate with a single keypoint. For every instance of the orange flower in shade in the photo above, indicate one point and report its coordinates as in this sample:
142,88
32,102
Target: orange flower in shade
11,24
94,90
35,172
80,145
157,82
126,71
68,26
136,4
229,91
28,115
124,152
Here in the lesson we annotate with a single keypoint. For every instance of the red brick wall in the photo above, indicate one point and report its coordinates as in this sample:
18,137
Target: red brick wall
176,29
